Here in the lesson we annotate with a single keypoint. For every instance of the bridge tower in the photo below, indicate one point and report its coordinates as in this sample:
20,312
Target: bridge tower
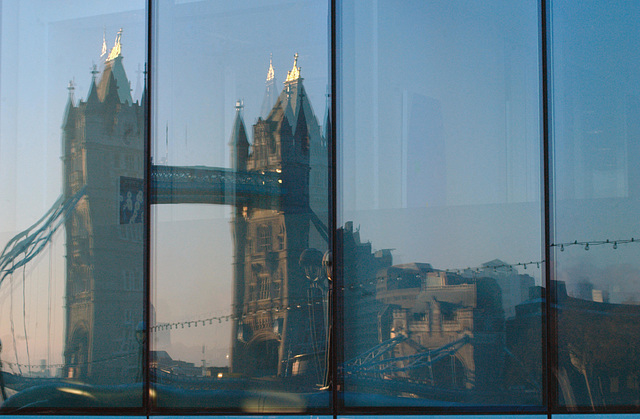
271,295
103,154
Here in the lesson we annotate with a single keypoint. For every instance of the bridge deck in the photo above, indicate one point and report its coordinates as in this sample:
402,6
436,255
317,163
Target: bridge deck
212,185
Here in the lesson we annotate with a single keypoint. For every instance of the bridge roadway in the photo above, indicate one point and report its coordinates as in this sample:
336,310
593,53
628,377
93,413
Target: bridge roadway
169,185
213,185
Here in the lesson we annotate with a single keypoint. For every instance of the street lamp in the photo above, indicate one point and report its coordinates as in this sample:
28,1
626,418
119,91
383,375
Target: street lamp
311,262
317,299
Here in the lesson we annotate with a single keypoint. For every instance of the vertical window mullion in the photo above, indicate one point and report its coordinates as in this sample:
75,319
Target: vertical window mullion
146,385
550,341
333,211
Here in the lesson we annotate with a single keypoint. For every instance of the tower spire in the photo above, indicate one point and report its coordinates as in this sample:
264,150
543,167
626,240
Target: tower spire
69,113
94,72
239,143
271,74
104,43
270,94
93,90
71,87
117,47
294,74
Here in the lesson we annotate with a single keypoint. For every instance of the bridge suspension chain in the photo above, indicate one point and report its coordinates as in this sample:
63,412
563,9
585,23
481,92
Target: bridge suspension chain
28,244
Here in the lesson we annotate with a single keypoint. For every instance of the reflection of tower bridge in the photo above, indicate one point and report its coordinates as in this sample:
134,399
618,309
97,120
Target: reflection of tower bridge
278,190
279,194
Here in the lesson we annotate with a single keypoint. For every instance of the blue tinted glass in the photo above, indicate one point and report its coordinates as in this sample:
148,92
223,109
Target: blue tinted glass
248,417
72,212
596,145
449,416
439,208
61,417
596,416
240,151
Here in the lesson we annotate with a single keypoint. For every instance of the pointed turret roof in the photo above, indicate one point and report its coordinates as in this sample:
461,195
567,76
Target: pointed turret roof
301,126
111,89
238,142
93,93
238,132
93,90
70,108
327,128
327,118
270,94
143,98
284,127
113,69
289,108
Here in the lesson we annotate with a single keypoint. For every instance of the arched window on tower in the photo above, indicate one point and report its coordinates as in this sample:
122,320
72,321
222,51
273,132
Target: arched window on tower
263,285
264,238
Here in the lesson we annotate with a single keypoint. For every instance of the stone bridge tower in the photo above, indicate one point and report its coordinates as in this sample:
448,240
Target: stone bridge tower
271,296
103,159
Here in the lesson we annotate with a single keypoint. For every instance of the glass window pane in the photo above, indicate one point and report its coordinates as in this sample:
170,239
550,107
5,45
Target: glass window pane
239,417
240,307
61,417
596,416
596,146
72,212
439,204
448,416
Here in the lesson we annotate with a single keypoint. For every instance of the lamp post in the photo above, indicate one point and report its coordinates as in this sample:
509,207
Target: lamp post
327,264
311,262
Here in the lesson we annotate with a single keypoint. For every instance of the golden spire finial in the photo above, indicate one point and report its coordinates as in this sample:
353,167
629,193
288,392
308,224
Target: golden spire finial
294,74
117,47
104,42
271,74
